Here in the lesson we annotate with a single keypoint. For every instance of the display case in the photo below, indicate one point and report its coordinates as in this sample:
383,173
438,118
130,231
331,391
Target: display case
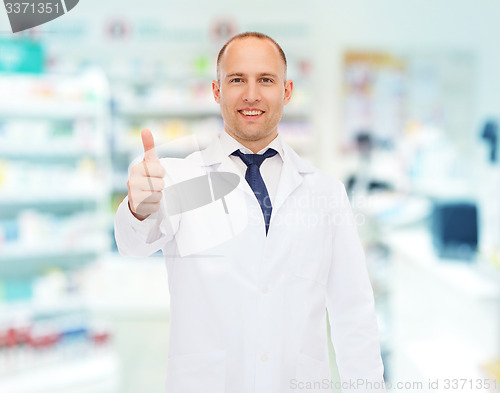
54,218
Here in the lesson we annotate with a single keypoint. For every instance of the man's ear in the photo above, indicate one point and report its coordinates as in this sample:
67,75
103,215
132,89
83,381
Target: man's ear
216,91
288,91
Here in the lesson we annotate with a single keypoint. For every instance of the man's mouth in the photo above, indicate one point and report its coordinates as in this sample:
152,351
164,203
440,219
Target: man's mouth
251,113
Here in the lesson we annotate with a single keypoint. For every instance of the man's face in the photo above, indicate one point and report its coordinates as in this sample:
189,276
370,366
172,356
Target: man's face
252,90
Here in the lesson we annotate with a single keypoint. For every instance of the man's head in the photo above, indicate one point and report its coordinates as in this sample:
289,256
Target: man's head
252,88
250,34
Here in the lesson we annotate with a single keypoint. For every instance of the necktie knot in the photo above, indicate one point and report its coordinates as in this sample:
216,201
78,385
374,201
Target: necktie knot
256,159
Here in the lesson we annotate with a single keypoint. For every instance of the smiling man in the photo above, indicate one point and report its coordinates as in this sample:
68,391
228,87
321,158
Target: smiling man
248,311
252,89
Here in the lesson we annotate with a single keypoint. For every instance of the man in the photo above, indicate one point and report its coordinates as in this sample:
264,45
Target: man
248,305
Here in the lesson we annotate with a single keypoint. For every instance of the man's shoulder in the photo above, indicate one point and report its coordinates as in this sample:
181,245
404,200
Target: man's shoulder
326,183
317,179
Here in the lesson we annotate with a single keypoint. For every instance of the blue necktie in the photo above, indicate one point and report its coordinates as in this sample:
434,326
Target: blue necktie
254,179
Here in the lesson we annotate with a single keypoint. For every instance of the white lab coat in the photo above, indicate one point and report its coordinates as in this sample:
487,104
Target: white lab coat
248,312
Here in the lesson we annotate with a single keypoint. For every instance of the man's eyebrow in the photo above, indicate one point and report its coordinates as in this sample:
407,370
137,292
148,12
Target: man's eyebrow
235,74
268,74
240,74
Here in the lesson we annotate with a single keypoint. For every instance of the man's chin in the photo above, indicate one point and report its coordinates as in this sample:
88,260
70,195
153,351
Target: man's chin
253,137
250,134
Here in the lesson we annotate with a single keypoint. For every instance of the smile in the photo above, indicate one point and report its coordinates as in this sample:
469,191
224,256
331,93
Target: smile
251,113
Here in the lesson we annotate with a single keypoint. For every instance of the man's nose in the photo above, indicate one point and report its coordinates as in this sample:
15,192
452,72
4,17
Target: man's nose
252,92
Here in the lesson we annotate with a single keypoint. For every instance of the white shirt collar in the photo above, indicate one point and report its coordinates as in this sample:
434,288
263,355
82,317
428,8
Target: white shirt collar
229,145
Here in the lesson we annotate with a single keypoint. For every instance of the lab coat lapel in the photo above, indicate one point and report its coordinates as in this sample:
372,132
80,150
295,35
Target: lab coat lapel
214,158
290,177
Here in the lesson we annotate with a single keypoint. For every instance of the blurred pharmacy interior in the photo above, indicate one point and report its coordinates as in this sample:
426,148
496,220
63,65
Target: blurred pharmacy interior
398,99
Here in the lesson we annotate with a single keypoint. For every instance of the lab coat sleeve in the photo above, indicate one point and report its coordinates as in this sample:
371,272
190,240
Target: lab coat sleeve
137,238
350,305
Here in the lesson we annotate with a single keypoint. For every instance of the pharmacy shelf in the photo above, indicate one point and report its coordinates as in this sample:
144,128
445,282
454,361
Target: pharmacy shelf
132,150
73,303
52,110
64,169
16,150
94,374
20,252
168,111
30,267
24,197
18,259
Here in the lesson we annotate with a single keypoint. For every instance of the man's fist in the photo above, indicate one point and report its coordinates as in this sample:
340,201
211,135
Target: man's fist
145,183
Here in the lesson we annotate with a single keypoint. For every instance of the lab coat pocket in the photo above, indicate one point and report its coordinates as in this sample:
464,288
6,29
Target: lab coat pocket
309,246
311,260
195,373
312,375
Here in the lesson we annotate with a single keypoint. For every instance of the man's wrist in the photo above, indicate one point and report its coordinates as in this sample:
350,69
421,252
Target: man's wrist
140,218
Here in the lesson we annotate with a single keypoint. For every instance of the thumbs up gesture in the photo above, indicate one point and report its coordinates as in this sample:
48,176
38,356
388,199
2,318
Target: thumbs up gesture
145,183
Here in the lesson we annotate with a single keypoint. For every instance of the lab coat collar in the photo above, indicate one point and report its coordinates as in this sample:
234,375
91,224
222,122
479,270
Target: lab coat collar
292,173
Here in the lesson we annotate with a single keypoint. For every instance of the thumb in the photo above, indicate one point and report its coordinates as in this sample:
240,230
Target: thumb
149,145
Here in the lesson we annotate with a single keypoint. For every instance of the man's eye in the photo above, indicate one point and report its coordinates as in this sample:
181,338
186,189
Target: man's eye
267,80
236,80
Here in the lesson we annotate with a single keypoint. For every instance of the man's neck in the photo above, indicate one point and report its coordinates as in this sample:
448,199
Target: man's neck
254,146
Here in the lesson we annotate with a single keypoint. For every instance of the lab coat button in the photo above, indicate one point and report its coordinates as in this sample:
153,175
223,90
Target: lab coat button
265,289
264,357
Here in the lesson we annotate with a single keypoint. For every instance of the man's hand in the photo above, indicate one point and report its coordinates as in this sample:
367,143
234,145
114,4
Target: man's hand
145,183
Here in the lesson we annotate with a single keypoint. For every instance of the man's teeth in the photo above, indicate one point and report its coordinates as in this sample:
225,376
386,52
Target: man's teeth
251,113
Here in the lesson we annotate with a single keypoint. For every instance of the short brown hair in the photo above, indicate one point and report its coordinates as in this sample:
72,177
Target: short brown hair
249,34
